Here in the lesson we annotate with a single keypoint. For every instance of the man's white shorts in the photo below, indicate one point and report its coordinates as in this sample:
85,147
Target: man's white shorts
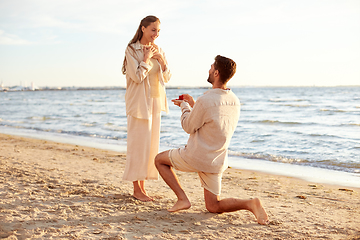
209,181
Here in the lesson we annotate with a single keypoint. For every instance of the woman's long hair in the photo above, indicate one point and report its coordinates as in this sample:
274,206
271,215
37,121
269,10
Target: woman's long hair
138,35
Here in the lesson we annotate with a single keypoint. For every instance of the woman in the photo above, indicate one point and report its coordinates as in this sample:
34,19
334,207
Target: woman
146,71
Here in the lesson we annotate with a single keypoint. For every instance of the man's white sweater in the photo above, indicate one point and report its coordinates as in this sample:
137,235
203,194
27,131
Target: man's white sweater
211,124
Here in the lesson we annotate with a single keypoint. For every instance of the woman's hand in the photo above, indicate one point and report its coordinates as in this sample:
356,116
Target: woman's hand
159,57
149,52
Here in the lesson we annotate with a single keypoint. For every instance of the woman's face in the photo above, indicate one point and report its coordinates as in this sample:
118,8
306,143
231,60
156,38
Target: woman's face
151,32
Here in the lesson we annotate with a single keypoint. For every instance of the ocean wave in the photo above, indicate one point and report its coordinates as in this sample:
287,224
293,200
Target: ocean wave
100,113
81,132
268,157
113,127
337,110
333,164
89,124
93,100
42,118
278,122
298,105
350,124
286,100
5,122
258,141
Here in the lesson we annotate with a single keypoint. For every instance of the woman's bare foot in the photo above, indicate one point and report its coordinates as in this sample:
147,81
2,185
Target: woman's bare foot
180,205
142,197
259,212
140,193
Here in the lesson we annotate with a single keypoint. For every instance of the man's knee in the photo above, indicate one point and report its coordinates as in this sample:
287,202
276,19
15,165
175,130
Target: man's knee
213,207
157,160
161,159
212,202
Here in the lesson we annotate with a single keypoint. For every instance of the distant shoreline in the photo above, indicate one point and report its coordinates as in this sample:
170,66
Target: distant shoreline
26,89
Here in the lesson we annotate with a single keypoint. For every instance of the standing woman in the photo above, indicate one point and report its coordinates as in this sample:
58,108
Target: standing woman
146,71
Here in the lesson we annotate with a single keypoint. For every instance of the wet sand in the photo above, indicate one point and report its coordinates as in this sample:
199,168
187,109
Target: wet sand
52,190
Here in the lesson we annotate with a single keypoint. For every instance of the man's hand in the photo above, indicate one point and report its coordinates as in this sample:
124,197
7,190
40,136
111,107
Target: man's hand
177,102
184,97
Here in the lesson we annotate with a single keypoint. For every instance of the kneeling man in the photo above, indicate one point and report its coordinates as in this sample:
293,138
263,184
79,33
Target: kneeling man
211,122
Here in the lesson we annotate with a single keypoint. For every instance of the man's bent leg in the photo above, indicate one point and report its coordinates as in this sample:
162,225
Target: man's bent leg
215,205
164,166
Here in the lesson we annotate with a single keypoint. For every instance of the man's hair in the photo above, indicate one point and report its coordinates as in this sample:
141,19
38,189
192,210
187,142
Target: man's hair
226,68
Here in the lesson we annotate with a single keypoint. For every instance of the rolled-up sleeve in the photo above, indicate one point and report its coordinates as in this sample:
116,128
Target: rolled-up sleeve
192,119
166,74
135,70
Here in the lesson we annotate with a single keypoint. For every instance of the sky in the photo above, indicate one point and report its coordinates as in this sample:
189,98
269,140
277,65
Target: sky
61,43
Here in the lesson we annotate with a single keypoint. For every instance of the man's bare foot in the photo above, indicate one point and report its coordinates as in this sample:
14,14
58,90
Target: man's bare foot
142,197
180,205
259,212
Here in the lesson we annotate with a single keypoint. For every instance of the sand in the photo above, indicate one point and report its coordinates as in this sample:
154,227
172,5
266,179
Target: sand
51,190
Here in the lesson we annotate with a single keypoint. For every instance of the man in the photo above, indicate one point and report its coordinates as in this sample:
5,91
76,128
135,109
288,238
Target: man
211,122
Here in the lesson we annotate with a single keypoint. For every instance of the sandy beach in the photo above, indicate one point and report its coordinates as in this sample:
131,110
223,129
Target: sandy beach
52,190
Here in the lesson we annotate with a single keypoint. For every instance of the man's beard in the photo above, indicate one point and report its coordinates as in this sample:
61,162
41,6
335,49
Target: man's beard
209,79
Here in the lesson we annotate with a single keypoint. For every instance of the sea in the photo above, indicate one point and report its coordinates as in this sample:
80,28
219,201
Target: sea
312,133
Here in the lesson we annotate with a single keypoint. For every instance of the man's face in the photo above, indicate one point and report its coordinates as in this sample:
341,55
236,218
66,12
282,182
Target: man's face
211,74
